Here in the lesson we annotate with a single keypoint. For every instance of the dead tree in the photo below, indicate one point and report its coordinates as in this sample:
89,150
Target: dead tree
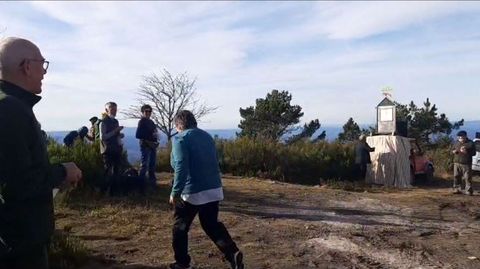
167,94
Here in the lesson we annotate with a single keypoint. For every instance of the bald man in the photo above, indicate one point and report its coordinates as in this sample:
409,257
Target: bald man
26,175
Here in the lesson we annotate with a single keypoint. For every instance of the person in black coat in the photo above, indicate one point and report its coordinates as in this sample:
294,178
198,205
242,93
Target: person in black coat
362,156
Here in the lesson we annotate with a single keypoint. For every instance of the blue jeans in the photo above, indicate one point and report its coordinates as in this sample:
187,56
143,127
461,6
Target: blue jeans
149,158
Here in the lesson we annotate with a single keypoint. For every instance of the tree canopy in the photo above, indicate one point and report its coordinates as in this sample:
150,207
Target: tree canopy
273,117
423,122
351,131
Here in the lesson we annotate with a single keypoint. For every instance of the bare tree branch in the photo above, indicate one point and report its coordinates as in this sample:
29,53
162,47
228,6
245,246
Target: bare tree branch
167,94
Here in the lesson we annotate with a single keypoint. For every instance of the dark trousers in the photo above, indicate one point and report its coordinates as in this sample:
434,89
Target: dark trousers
208,215
111,164
360,171
149,158
31,257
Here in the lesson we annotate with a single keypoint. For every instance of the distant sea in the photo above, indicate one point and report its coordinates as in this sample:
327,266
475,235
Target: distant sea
332,131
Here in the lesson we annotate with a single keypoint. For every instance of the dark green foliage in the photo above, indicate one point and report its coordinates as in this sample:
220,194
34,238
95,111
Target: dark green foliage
307,131
163,159
442,159
86,156
66,252
302,162
271,117
351,132
425,121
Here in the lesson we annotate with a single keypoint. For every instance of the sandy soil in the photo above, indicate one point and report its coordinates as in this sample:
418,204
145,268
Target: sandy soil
288,226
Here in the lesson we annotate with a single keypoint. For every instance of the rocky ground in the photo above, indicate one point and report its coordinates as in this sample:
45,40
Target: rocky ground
288,226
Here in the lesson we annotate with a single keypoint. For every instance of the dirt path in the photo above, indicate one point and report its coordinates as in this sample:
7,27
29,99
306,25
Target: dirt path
288,226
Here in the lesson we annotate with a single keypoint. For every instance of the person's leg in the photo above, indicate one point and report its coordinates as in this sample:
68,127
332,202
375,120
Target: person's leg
457,177
363,170
144,161
151,166
116,185
184,213
467,176
31,257
107,174
208,215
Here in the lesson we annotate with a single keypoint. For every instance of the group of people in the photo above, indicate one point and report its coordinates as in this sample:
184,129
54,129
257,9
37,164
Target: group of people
107,132
27,177
463,150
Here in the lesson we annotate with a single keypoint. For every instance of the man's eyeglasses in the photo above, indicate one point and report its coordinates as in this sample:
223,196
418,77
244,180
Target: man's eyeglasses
45,63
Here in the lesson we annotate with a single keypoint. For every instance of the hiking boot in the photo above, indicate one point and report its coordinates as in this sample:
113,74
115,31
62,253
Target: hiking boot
469,193
237,260
457,191
179,266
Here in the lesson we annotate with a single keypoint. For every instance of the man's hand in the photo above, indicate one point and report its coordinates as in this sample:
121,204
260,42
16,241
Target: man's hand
174,201
74,174
463,149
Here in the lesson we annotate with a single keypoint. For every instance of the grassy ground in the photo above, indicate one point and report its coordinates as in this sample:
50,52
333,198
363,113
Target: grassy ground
284,226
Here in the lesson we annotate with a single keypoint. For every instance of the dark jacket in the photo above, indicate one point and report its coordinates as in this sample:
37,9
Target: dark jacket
70,138
362,153
26,175
146,133
110,138
464,158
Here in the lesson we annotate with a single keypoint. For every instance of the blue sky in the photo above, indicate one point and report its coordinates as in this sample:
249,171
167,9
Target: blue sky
333,57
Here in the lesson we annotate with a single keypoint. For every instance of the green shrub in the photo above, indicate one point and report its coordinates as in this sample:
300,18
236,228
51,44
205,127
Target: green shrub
442,159
86,156
66,252
163,159
302,162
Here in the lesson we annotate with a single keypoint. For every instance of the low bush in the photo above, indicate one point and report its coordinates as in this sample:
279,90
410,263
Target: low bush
303,162
86,156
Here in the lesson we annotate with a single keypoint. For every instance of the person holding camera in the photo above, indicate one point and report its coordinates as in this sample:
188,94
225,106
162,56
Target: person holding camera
463,152
111,147
147,133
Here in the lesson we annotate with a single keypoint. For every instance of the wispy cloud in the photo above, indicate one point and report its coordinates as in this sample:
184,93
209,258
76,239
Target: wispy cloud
334,57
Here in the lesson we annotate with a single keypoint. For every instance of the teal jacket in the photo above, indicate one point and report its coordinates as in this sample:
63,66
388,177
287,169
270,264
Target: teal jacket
26,175
194,160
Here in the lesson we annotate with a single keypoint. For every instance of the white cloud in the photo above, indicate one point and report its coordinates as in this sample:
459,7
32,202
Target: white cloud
320,52
348,20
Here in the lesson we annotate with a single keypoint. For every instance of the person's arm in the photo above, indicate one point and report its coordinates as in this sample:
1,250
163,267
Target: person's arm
369,149
140,133
180,164
103,132
17,171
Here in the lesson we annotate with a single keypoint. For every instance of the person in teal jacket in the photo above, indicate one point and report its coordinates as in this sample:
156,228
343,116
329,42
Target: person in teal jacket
197,188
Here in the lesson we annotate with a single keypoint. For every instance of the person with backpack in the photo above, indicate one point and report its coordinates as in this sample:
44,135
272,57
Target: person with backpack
73,136
111,147
463,151
148,136
94,131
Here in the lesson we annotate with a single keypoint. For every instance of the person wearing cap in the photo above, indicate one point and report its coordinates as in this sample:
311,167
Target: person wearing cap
94,132
463,151
362,156
27,177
